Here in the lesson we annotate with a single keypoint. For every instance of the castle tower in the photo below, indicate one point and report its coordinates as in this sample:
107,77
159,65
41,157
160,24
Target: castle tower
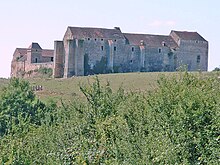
58,69
34,53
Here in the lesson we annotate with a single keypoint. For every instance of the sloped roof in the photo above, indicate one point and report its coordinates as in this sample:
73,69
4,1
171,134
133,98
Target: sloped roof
47,53
87,32
185,35
34,45
150,40
21,51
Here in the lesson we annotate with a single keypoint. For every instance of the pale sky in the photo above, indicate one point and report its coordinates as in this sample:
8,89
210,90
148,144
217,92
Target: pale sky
43,21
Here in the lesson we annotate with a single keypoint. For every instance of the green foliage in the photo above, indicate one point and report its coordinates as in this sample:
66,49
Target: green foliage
45,71
19,108
186,112
177,123
216,69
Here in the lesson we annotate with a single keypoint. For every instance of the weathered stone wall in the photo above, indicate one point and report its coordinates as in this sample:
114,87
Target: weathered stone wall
58,69
85,51
193,54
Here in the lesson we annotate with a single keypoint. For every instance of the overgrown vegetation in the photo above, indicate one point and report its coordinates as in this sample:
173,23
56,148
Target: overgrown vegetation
177,123
216,69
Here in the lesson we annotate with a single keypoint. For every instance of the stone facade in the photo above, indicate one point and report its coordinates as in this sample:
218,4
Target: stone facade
86,51
26,61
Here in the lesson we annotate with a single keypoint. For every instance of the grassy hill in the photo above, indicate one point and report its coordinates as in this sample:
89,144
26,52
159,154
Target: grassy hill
67,89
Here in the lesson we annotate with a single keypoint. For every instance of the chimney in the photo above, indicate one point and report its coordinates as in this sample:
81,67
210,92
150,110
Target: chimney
117,28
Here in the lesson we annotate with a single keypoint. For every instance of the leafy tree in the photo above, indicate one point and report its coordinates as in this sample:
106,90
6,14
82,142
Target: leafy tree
216,69
186,112
19,108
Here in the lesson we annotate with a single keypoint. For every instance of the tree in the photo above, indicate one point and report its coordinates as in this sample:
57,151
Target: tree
19,108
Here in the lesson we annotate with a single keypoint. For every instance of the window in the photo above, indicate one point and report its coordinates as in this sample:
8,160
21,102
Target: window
115,40
159,50
115,48
88,39
102,48
132,49
95,39
102,39
198,59
51,59
131,61
35,60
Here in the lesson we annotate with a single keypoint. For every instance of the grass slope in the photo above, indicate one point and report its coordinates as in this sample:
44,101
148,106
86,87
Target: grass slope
66,89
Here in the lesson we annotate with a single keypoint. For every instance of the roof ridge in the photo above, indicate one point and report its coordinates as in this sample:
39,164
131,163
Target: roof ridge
146,34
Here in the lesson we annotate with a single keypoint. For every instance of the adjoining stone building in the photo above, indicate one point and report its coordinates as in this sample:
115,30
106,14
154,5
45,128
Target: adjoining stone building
85,51
27,61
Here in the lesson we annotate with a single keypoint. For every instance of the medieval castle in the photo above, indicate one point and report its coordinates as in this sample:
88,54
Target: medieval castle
85,51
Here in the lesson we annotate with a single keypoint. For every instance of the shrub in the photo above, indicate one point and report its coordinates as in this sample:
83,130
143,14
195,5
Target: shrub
186,112
19,108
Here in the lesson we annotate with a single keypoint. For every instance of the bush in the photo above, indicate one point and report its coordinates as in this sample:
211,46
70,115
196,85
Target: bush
45,71
178,123
186,113
19,108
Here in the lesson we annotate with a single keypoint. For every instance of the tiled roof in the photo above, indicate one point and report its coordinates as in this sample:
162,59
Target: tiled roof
84,32
189,35
47,53
22,51
34,46
150,40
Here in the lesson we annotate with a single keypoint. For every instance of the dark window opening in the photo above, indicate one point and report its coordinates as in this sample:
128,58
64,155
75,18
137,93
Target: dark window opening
35,60
131,61
114,48
132,49
102,48
88,39
159,50
51,59
198,59
102,39
115,40
95,39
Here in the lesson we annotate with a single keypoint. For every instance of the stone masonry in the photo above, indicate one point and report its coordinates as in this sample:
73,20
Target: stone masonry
26,61
86,51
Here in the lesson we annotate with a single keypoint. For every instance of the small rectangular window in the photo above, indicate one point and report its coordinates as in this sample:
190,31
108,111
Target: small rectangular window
132,49
114,48
159,50
102,48
51,59
102,39
88,39
198,59
115,40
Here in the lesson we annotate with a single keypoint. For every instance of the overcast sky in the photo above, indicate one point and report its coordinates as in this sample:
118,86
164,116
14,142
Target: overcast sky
43,21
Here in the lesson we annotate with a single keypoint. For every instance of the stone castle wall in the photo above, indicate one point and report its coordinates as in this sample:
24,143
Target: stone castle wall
86,51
